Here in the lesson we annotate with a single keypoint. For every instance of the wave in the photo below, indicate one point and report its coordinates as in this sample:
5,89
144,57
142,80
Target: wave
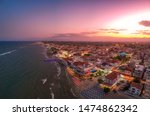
52,94
73,92
9,52
58,69
44,81
52,84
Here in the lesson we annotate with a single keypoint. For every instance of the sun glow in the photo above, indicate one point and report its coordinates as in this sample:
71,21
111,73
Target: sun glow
129,26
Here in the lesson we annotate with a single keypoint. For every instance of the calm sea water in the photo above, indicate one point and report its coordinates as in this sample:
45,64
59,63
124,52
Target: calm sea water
22,70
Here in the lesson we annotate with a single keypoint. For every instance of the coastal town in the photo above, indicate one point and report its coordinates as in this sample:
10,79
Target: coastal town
104,70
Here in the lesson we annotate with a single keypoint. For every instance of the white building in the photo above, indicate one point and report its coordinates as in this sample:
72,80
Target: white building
139,70
135,88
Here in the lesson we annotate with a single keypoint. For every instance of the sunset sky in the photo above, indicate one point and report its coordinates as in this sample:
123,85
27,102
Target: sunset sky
92,20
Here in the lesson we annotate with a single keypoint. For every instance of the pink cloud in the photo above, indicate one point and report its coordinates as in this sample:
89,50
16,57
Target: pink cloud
145,23
115,31
143,32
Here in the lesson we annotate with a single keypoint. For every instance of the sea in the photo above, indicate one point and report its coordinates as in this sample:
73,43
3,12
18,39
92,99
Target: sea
25,75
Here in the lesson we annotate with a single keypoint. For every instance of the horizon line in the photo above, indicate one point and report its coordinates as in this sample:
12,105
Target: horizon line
74,41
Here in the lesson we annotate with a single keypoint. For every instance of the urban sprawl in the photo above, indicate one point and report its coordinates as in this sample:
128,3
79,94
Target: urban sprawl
105,70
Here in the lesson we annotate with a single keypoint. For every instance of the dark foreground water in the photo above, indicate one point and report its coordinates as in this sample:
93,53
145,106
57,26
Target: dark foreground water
24,74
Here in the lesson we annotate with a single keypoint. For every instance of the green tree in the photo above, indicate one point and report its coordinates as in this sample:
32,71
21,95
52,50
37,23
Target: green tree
136,80
92,75
114,91
100,81
87,54
106,89
126,88
99,73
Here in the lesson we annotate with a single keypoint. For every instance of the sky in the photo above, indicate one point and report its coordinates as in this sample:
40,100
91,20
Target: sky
75,20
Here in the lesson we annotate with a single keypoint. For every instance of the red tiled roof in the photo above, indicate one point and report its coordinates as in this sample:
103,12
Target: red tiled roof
112,76
68,59
107,84
130,69
137,85
80,63
84,57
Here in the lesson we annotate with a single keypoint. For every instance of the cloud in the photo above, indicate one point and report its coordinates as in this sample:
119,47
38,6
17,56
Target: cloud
112,29
145,23
89,32
102,31
143,32
115,31
69,37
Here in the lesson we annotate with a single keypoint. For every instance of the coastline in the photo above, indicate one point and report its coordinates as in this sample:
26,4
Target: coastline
59,71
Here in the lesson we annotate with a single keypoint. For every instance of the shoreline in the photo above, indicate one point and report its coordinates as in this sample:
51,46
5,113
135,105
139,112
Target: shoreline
68,78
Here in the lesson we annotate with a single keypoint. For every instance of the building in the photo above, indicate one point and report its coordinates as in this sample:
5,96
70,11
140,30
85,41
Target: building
122,54
126,70
135,88
147,74
105,65
139,71
146,93
111,79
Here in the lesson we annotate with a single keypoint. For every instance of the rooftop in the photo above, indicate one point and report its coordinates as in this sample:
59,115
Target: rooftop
112,75
137,85
139,67
148,69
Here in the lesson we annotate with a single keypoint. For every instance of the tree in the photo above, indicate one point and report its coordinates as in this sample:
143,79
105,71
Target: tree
92,75
136,80
106,89
126,59
114,91
99,73
126,88
117,58
87,54
100,81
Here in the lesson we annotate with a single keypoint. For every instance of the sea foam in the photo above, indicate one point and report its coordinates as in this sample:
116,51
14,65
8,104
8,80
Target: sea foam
9,52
